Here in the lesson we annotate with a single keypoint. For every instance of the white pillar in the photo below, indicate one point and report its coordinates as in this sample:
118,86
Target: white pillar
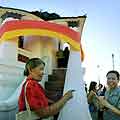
8,51
77,107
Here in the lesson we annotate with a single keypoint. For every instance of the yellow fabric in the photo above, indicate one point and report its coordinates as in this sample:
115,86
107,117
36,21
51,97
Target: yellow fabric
26,32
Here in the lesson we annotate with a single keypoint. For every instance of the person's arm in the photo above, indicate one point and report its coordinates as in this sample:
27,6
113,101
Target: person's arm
54,108
90,96
114,109
50,101
109,106
35,98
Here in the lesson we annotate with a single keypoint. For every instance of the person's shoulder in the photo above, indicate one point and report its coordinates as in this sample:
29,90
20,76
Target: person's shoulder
32,83
107,92
118,87
118,90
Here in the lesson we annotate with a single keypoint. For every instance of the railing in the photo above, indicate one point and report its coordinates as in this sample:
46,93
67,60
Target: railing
24,52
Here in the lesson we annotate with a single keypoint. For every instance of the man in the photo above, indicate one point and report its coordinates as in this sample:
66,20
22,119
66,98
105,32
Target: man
111,101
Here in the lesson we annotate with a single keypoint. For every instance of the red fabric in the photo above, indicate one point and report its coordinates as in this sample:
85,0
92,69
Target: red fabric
43,25
35,96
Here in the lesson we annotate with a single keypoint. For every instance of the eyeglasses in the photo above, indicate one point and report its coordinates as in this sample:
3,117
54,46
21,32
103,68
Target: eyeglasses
111,78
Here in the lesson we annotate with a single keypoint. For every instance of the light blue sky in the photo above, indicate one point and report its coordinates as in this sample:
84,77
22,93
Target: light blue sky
101,31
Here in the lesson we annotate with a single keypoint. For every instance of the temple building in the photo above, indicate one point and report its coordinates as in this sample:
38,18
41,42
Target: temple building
14,53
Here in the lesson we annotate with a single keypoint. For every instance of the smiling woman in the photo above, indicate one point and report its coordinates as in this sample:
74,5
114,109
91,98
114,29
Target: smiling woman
34,94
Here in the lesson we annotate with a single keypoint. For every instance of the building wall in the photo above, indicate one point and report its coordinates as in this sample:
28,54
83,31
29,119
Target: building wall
43,47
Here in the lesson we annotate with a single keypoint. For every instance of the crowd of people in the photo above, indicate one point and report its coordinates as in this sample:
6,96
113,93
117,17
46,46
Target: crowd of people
104,103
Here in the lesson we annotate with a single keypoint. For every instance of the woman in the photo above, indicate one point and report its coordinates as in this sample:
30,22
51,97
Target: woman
35,94
111,101
92,100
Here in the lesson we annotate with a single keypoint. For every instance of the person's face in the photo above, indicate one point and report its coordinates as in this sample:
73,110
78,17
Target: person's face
112,80
99,86
95,88
37,72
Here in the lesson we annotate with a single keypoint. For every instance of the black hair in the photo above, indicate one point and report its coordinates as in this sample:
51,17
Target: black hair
32,63
100,85
115,72
92,85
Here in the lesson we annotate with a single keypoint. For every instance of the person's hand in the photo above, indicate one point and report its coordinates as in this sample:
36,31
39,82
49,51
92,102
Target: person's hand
69,94
104,102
